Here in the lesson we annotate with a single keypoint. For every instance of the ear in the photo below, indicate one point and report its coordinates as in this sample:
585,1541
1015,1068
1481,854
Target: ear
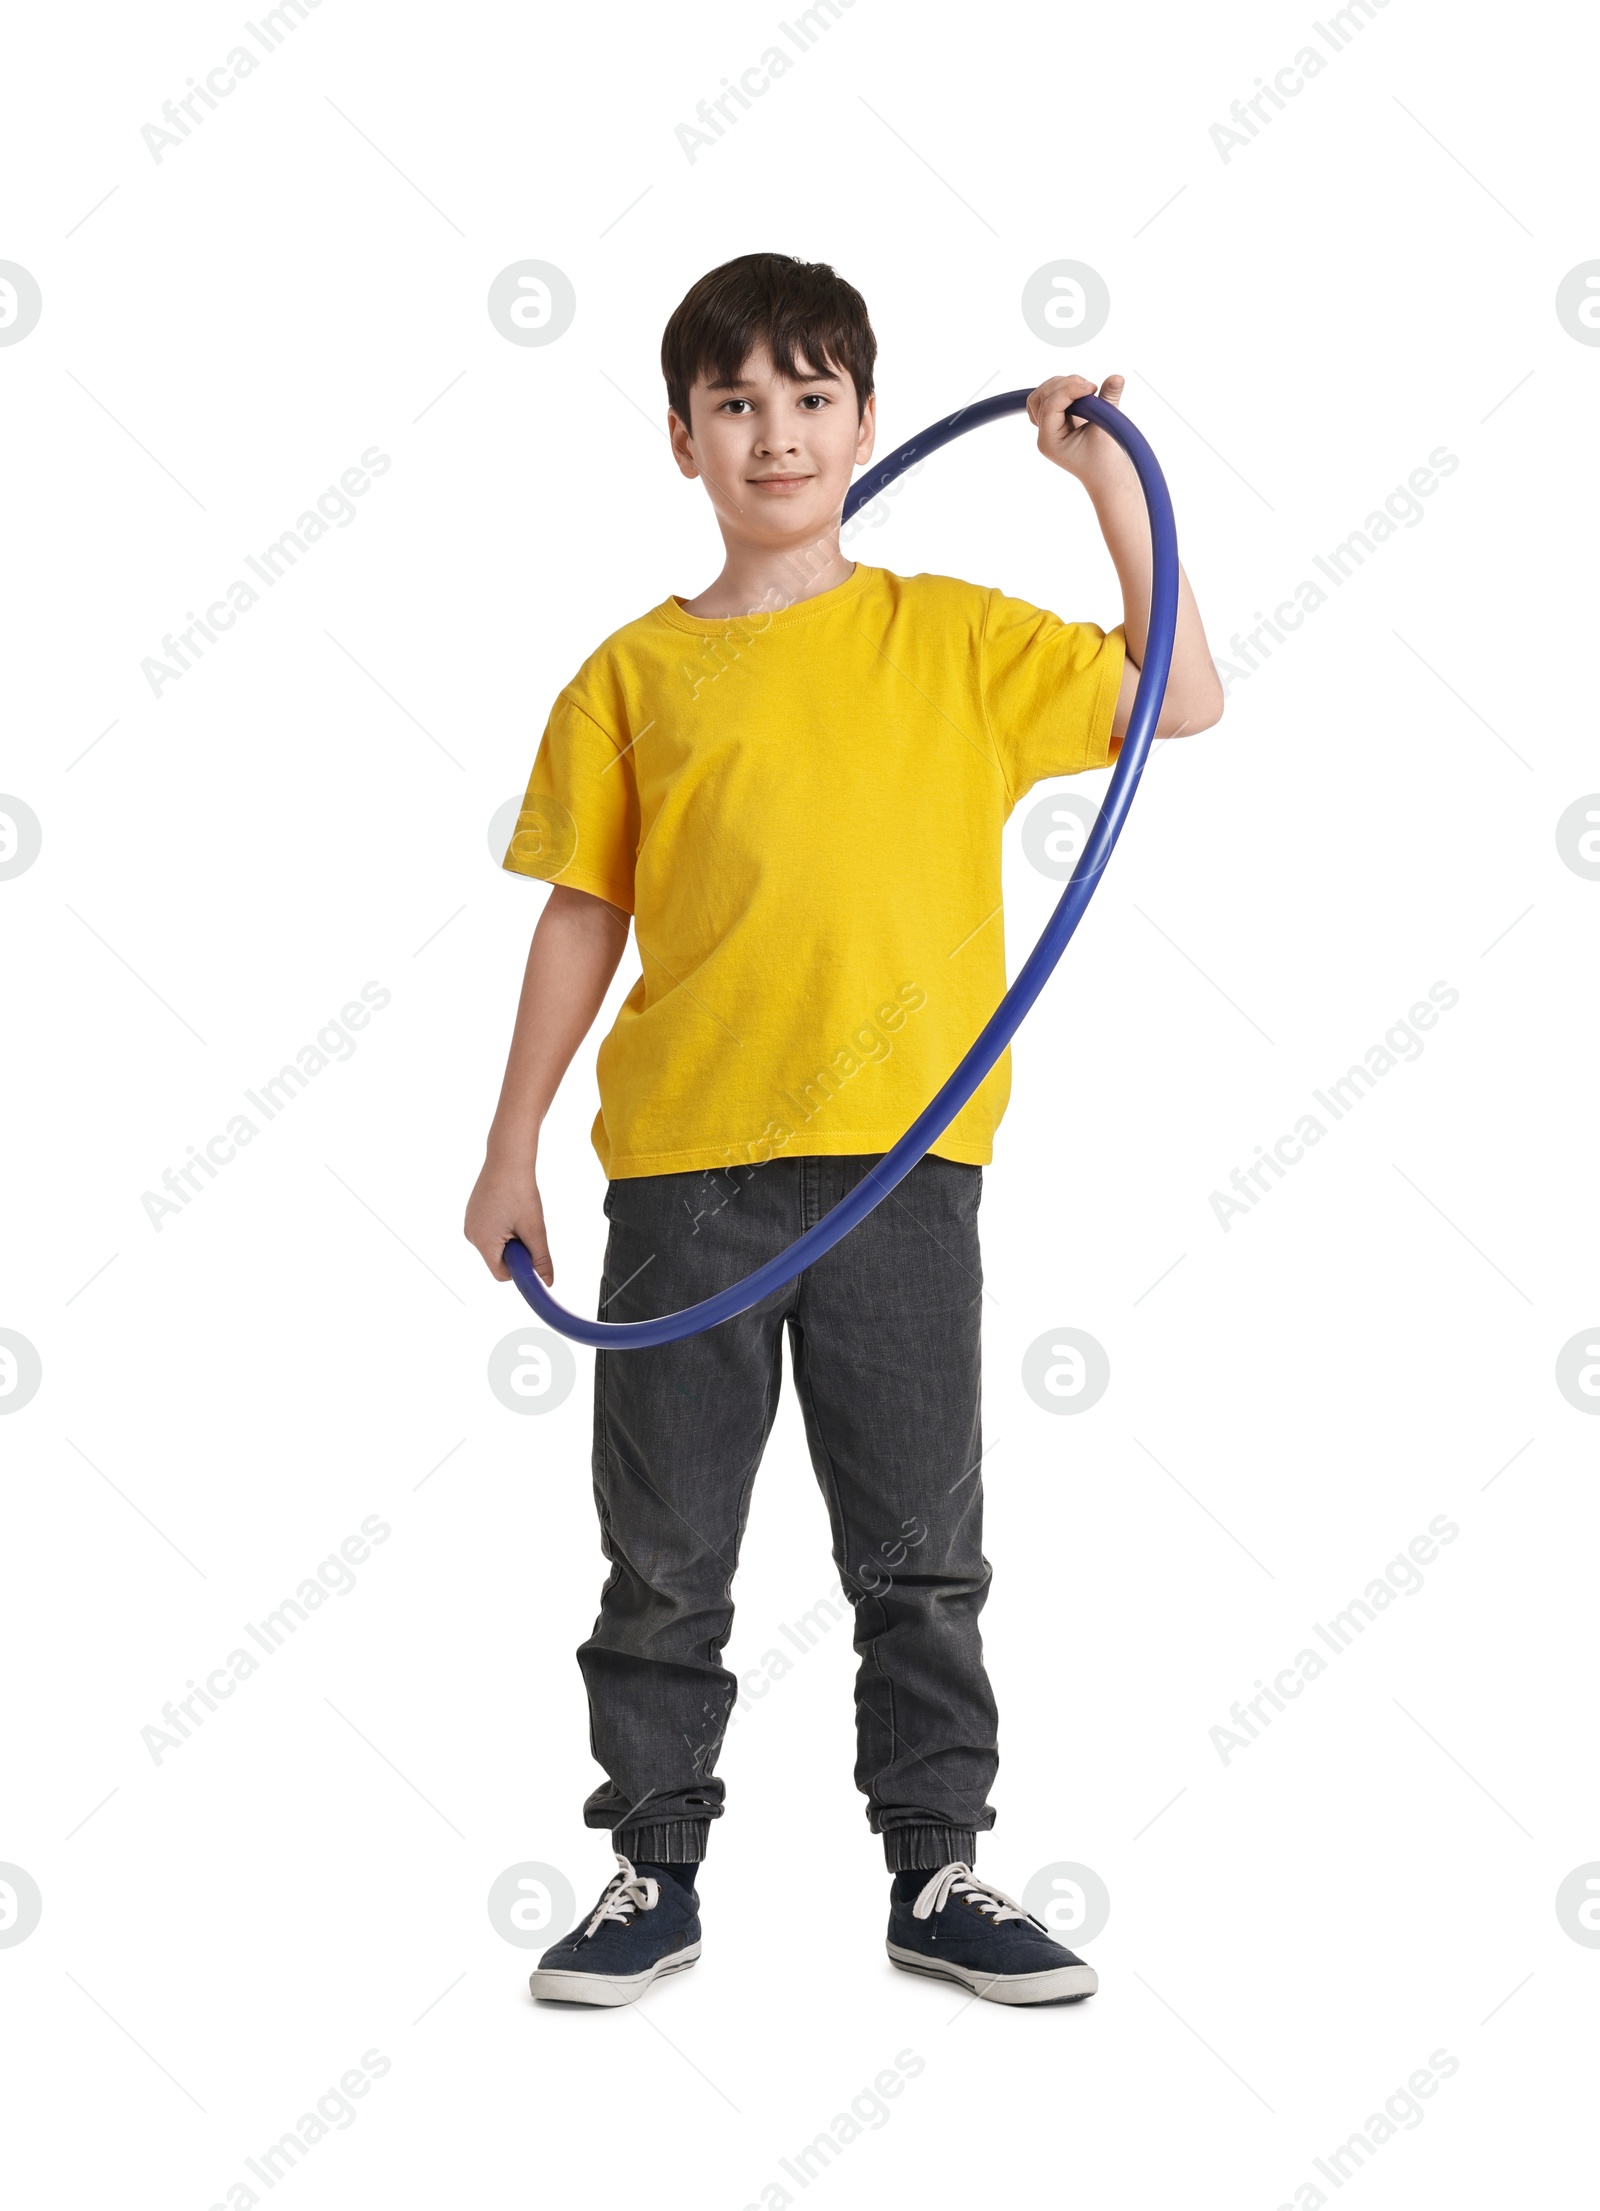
682,445
869,432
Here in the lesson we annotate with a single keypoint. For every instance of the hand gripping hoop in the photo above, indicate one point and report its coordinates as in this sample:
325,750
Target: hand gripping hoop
1008,1016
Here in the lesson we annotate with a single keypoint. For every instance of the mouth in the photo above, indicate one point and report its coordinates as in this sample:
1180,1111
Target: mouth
777,483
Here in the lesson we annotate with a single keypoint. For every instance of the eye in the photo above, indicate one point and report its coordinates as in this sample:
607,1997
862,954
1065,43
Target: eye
816,401
732,403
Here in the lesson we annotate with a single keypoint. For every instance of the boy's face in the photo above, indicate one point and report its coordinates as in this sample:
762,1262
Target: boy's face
776,457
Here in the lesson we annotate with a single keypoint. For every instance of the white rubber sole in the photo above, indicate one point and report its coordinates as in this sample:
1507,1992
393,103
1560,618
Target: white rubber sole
606,1988
1061,1983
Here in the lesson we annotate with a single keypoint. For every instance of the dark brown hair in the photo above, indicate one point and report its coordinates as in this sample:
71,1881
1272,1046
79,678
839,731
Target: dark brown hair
805,314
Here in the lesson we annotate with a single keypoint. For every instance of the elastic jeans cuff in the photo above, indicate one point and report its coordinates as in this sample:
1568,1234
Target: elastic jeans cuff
919,1849
670,1842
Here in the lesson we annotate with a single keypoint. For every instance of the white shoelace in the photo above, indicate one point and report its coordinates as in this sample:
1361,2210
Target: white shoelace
958,1879
625,1894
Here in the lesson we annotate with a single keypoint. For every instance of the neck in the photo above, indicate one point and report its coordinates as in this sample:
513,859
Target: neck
758,578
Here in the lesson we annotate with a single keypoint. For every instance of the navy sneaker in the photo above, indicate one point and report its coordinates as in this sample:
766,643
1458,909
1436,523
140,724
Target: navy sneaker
966,1930
640,1929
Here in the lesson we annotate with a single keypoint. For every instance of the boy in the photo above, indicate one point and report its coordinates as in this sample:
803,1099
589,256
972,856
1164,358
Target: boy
795,785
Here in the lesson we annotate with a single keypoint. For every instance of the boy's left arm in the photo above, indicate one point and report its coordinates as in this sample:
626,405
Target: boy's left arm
1194,694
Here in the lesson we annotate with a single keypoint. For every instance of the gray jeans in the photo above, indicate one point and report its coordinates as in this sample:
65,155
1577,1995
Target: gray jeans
884,1346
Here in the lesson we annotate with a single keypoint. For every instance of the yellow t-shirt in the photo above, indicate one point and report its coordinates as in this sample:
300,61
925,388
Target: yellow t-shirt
802,811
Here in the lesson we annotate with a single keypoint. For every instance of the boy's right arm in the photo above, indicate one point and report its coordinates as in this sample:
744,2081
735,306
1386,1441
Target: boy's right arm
575,952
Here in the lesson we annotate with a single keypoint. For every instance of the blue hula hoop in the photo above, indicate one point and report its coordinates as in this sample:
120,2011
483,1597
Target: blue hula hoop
1007,1018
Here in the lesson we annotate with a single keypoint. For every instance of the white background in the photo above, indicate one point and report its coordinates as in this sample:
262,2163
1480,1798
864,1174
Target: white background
1292,1934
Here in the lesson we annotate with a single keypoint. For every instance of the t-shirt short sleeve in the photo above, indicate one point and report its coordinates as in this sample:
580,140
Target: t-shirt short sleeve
1049,691
579,824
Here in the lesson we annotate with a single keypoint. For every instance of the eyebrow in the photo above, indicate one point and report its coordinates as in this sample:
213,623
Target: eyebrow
745,383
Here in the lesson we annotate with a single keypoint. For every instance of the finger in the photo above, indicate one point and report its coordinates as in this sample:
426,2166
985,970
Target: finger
1055,392
533,1242
1074,426
491,1255
538,1250
1040,396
